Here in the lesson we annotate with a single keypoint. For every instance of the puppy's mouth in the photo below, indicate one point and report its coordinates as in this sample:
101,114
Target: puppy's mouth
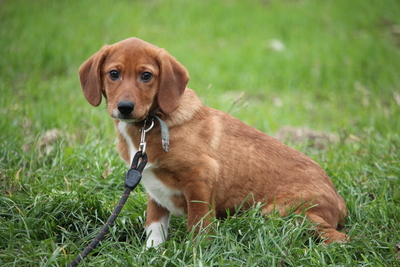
126,118
132,121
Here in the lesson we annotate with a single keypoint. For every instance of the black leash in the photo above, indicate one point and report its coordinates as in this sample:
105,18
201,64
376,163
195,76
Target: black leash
132,179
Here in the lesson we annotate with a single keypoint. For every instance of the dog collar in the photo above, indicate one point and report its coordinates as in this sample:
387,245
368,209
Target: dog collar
164,131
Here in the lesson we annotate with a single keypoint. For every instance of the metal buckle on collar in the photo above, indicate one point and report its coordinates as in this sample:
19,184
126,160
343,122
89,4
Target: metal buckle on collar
142,145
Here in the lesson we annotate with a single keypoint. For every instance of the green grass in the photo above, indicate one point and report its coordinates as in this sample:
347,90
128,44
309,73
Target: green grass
338,72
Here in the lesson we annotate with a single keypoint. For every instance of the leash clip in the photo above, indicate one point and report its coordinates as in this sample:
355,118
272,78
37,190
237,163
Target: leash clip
142,145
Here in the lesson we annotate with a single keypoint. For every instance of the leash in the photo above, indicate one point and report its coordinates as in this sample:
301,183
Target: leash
132,179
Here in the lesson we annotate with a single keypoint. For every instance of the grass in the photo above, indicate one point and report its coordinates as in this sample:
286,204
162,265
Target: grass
335,70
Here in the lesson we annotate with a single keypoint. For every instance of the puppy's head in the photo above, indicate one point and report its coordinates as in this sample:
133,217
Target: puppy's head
135,78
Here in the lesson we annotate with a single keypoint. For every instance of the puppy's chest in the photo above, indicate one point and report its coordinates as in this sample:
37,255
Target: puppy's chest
162,194
171,199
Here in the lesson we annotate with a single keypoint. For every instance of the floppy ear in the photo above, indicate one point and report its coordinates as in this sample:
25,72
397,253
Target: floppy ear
172,82
90,76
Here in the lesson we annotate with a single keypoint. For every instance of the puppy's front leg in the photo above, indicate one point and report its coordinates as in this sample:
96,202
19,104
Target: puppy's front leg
157,220
200,211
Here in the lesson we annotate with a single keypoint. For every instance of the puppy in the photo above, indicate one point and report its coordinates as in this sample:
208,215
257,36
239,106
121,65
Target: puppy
215,162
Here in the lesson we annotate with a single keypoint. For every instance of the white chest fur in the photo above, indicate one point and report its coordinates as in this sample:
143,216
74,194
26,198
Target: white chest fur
156,188
159,192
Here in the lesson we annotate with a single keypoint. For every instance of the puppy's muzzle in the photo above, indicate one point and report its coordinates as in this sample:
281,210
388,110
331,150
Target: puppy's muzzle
125,107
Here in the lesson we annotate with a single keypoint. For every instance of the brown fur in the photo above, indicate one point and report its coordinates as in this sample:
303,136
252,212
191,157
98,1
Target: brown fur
215,160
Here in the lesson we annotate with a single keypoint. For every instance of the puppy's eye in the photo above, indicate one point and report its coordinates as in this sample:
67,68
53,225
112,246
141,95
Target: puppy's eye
146,76
114,75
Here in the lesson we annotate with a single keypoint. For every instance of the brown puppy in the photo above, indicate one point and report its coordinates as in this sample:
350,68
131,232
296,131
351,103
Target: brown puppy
215,162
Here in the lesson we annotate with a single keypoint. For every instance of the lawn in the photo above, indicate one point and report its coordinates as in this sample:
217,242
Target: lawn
327,68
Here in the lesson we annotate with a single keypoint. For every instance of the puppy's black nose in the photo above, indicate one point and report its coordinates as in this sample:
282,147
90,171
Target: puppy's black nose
125,107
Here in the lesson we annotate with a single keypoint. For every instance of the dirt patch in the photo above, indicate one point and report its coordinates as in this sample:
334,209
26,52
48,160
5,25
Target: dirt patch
48,141
315,139
393,29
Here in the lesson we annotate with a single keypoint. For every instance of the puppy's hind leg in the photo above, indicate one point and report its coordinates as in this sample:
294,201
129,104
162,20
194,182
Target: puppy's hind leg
325,230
